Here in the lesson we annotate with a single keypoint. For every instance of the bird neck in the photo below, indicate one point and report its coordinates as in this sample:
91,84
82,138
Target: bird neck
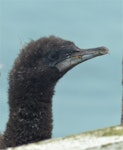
30,118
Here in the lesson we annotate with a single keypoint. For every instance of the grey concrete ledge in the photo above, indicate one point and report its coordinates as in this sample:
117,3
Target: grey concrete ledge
104,139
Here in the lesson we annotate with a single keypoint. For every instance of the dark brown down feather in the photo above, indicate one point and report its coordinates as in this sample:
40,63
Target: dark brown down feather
32,80
31,87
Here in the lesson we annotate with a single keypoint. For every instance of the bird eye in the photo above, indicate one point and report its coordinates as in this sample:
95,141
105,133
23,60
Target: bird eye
53,56
71,52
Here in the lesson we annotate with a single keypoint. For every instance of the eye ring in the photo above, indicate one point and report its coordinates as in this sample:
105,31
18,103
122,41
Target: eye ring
53,55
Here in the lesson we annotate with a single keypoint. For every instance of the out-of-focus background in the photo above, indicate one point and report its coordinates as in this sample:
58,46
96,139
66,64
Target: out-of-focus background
89,96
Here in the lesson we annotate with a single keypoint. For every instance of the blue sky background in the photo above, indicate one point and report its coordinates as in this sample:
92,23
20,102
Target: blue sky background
89,96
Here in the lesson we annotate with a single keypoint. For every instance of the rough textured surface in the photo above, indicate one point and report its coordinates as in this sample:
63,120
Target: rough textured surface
104,139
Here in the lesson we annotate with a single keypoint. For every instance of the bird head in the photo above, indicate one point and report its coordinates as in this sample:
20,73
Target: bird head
52,57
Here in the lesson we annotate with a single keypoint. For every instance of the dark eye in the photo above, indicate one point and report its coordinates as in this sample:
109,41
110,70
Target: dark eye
53,55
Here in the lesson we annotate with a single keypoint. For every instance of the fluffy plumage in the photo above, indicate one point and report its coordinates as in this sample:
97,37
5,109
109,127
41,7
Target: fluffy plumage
31,86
